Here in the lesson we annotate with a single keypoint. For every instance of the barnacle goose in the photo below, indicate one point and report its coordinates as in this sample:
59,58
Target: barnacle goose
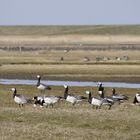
41,86
38,100
72,98
120,97
98,102
111,99
46,100
19,99
50,100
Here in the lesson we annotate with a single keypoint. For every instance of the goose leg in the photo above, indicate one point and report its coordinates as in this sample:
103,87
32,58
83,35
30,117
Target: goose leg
100,107
74,103
119,102
46,105
109,107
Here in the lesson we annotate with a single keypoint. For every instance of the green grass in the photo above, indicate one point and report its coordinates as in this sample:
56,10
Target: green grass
64,121
65,30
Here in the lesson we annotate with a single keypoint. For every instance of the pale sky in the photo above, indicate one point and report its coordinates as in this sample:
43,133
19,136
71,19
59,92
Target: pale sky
69,12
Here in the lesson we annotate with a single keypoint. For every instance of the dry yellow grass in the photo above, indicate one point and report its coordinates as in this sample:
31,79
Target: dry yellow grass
71,39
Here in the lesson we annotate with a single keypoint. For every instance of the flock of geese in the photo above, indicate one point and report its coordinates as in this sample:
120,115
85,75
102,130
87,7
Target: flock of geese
97,102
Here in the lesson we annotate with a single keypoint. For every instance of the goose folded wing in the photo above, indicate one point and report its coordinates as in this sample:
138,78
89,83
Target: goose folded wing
22,98
123,97
119,96
71,98
78,97
43,86
51,99
109,99
107,102
25,99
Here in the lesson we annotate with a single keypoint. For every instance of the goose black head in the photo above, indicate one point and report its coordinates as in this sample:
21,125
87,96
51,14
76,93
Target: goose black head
35,98
65,86
14,91
38,76
113,91
89,96
66,91
100,83
88,92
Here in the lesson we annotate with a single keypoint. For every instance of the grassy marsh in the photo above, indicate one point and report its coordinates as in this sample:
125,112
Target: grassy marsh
27,65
